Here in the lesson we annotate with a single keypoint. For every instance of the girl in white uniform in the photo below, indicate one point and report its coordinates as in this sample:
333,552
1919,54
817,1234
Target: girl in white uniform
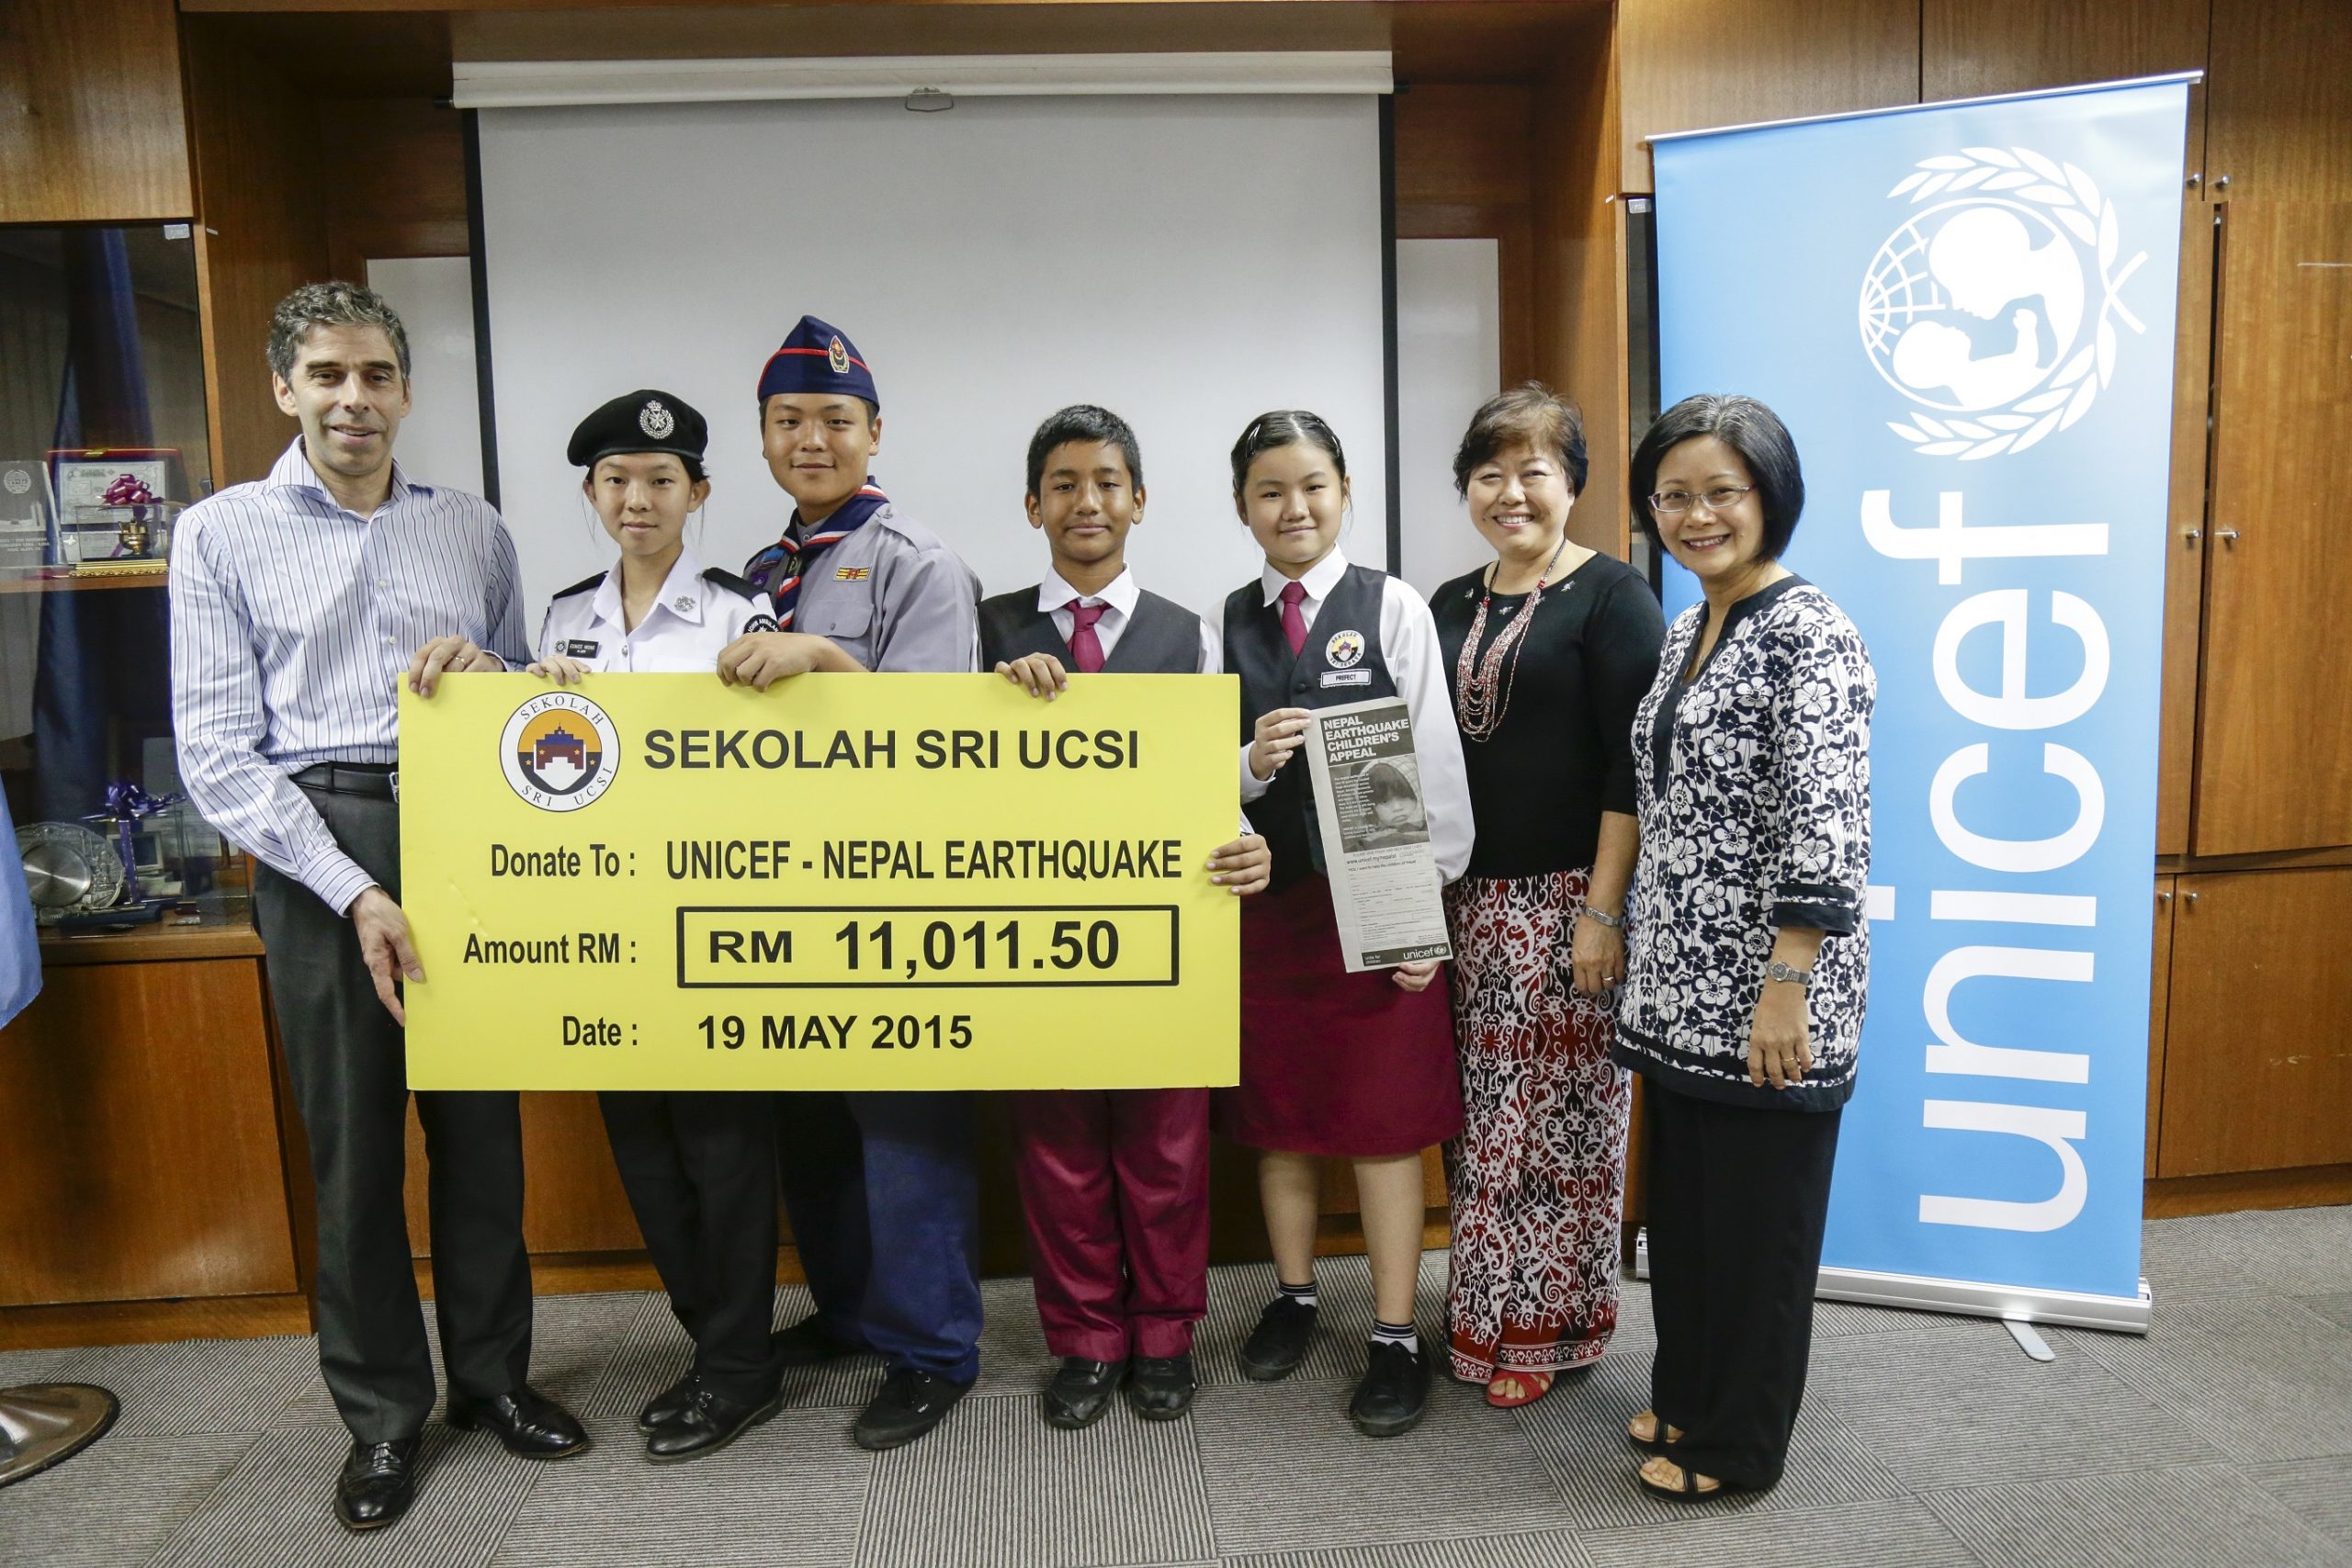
658,608
699,1168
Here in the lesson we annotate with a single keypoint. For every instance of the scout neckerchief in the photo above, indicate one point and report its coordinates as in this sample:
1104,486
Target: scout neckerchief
777,571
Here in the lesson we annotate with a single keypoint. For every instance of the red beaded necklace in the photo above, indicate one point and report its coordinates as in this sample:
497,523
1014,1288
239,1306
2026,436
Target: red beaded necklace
1482,686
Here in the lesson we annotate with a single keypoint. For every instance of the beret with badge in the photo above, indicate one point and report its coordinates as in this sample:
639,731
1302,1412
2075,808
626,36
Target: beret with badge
642,421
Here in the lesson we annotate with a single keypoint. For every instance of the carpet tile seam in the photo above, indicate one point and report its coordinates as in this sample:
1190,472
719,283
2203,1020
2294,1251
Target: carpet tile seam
228,1475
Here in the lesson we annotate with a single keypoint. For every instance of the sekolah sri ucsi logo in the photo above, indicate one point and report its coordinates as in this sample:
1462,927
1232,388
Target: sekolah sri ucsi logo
1993,310
559,751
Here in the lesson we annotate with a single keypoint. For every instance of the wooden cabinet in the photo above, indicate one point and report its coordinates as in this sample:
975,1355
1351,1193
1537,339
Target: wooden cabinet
2274,754
2187,548
2280,98
146,1161
2159,1001
2258,1069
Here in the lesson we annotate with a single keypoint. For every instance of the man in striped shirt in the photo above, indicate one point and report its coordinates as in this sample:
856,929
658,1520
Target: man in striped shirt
298,604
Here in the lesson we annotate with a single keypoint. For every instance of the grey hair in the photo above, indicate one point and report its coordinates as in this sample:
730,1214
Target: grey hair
316,305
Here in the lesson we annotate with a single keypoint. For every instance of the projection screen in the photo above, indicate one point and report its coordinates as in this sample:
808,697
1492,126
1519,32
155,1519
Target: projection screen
1187,262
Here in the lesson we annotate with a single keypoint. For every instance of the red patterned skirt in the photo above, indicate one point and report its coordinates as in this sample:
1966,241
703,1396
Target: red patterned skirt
1537,1179
1333,1062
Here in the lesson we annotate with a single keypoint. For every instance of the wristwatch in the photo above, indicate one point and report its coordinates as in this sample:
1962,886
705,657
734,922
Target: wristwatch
1776,970
1614,922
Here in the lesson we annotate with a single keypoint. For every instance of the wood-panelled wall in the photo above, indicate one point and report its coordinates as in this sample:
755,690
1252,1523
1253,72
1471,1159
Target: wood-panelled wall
1580,263
92,122
255,144
1688,64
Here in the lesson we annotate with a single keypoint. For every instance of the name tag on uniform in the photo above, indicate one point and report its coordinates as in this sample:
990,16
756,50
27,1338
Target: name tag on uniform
1346,678
581,647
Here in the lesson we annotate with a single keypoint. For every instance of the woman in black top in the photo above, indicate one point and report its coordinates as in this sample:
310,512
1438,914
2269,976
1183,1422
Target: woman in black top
1549,649
1744,994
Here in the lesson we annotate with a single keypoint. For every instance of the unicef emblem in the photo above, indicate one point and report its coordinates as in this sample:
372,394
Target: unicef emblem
1993,311
18,481
559,751
656,420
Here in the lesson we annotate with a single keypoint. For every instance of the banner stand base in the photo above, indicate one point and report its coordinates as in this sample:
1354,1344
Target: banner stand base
1917,1293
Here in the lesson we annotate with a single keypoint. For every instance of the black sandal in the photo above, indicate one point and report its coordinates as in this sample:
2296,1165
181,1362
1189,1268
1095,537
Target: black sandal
1656,1443
1690,1491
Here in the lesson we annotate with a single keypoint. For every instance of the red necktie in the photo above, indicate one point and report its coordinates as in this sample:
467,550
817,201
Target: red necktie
1294,623
1085,647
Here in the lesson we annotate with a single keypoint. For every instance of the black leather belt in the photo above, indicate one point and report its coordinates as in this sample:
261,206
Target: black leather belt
381,780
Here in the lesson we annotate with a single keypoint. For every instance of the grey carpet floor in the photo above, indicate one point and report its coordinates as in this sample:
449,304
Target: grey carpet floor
2224,1437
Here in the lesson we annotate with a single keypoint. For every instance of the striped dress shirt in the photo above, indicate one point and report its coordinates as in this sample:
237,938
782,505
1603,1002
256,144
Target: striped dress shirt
293,622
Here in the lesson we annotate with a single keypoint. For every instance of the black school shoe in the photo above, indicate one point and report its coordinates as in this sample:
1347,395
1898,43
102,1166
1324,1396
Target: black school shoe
709,1422
1160,1388
1395,1390
1278,1344
911,1403
377,1484
1081,1391
805,1344
667,1406
531,1424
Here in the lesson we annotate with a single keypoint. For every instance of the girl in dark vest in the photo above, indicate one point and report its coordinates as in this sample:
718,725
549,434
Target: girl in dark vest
1358,1067
1114,1183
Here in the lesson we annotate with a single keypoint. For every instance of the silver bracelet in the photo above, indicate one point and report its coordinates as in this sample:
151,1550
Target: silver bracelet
1614,922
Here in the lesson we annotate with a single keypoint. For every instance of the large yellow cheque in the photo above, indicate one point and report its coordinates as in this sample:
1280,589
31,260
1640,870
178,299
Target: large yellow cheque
860,882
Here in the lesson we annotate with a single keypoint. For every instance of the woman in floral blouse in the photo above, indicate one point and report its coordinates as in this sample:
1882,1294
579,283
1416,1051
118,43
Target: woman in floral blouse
1749,958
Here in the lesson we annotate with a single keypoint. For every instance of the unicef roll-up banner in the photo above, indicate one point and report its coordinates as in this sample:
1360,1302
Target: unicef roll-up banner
1964,314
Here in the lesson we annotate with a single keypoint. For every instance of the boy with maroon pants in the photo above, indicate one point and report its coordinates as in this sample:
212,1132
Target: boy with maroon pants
1114,1182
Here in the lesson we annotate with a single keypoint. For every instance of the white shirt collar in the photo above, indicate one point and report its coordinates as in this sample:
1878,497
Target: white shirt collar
1320,578
293,468
1120,593
681,596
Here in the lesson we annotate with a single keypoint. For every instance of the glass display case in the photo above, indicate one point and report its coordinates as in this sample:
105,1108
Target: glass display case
103,444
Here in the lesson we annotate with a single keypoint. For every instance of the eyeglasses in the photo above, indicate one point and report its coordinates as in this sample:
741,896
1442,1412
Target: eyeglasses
1723,498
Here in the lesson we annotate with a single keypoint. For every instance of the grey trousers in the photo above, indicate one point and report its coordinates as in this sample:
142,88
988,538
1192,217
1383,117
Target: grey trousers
348,1060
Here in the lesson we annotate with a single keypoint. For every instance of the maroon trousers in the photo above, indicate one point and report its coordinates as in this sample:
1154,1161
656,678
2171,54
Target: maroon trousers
1114,1187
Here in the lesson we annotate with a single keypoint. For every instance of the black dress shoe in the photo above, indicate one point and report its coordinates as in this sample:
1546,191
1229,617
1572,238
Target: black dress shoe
1395,1389
531,1424
378,1483
707,1423
1161,1387
667,1406
1080,1392
911,1404
1278,1344
806,1343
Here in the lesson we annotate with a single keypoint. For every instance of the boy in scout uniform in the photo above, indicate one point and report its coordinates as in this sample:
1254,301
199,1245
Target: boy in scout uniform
880,1188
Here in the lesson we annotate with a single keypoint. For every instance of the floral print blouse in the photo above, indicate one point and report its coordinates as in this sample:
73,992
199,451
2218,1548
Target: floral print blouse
1754,795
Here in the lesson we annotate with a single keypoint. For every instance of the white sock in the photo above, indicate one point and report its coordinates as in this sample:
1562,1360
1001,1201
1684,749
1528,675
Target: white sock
1302,1294
1396,1333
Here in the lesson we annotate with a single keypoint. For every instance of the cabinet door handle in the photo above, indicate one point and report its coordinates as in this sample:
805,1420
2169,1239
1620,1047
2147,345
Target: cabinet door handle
2227,535
2164,897
2189,897
2192,535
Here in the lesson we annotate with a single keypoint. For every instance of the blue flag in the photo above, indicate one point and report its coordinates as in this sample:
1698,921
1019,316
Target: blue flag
19,950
